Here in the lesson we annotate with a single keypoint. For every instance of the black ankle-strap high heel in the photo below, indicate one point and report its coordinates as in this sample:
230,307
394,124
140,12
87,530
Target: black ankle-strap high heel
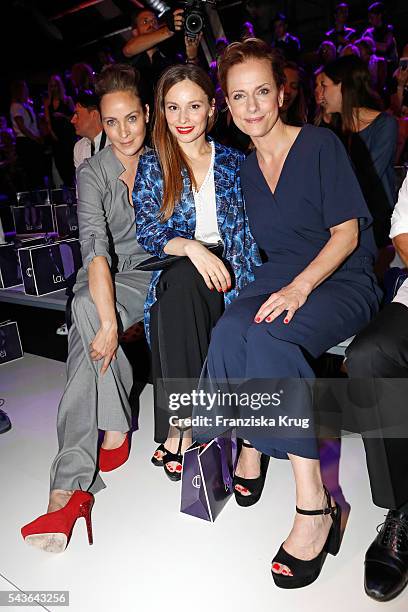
168,457
302,573
253,485
157,459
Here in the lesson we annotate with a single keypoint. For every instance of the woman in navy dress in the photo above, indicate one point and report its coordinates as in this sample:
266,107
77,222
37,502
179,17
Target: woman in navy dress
315,288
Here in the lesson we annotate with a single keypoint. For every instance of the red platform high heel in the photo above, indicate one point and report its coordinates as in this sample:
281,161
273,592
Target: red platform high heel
111,459
52,531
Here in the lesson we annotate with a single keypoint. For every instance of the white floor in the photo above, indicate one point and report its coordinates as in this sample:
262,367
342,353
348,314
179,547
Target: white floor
147,556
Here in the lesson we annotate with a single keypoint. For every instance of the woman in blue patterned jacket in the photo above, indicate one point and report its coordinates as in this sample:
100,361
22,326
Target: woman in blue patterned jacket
188,203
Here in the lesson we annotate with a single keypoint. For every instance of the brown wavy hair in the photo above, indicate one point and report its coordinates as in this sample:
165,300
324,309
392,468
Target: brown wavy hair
171,157
251,48
356,89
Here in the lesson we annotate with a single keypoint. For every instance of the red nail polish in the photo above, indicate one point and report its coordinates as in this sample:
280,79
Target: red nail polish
268,319
286,321
257,319
219,290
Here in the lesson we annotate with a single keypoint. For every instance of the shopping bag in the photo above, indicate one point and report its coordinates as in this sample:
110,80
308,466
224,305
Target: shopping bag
10,343
208,470
48,268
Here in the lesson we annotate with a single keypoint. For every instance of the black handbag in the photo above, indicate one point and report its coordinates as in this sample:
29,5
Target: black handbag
156,263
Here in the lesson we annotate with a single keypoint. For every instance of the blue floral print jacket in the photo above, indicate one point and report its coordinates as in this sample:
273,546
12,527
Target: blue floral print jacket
239,245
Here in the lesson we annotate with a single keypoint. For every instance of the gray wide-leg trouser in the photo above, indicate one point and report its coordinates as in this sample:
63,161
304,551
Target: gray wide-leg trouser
91,401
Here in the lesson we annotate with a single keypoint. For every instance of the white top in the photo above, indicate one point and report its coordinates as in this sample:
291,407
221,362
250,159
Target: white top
26,111
206,211
399,225
82,148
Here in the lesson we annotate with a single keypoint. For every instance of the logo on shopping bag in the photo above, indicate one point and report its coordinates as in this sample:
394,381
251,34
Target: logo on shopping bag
29,272
3,354
57,278
196,482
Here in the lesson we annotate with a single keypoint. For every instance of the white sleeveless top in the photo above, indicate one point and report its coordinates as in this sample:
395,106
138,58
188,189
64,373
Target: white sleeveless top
206,213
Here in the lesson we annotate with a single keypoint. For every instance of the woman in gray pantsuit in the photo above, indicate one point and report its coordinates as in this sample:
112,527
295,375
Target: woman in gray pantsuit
109,297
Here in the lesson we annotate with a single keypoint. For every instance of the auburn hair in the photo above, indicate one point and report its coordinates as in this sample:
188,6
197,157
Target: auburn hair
251,48
172,159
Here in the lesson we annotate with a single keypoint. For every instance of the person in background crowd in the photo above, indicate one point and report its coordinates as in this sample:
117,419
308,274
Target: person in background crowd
81,79
381,33
377,66
399,91
321,117
377,354
143,48
220,45
341,33
58,109
183,193
350,49
294,108
225,130
370,136
399,104
87,123
326,53
7,136
261,13
11,173
288,44
28,139
104,58
109,298
248,30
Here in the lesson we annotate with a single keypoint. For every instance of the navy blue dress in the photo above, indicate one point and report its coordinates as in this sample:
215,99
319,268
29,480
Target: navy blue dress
317,190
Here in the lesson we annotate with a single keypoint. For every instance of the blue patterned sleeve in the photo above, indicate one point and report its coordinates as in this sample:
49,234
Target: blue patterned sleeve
151,233
245,253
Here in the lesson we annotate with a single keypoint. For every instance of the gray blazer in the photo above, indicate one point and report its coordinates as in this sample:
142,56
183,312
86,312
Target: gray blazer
106,219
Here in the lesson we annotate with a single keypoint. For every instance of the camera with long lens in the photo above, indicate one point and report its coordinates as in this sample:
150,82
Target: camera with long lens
194,16
194,13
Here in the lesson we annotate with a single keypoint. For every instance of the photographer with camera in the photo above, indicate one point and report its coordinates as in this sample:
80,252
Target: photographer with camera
143,48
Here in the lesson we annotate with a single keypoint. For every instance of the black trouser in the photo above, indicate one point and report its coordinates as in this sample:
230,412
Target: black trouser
180,329
378,353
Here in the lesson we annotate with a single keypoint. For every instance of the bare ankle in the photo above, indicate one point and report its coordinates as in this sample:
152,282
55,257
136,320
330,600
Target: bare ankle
312,499
113,439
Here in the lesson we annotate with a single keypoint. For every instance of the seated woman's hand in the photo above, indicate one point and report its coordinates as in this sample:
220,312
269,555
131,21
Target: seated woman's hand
211,268
289,298
105,345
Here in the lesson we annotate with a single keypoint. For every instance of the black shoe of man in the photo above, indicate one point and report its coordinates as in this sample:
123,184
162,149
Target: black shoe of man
5,423
386,561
